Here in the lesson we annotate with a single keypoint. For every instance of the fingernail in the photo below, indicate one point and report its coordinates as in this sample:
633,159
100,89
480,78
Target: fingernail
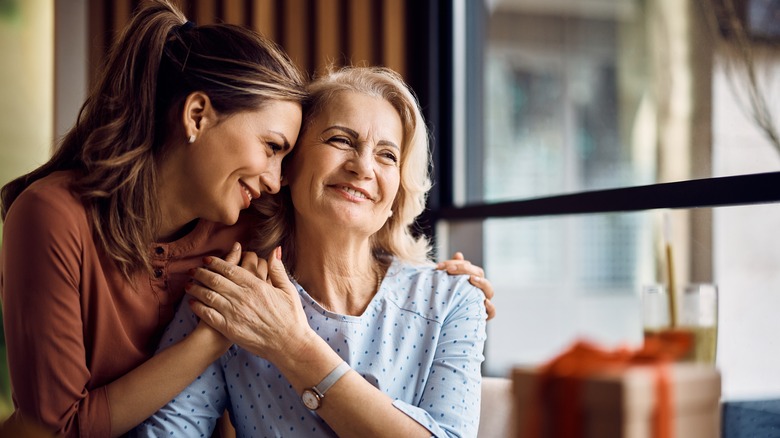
207,260
476,279
236,246
191,272
188,285
278,252
439,265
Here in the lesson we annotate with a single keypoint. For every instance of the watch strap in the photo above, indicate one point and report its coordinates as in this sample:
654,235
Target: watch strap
331,378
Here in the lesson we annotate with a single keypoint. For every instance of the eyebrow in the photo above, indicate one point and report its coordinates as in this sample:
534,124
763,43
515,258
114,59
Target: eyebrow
355,134
285,142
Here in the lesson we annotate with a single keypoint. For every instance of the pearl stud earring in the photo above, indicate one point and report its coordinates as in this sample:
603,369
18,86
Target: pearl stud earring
191,139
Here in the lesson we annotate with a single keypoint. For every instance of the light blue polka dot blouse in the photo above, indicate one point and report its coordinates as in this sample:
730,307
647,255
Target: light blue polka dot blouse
420,341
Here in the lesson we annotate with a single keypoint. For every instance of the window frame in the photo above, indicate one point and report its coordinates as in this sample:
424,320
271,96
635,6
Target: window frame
431,39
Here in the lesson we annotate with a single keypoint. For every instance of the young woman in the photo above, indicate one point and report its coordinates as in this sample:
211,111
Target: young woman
187,124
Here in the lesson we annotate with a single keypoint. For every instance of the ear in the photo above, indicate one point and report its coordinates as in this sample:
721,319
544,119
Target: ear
198,114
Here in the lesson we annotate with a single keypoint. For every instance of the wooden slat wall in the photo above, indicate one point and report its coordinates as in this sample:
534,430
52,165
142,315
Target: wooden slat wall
315,33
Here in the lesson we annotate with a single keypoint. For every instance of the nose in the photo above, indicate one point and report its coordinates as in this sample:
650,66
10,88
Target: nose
362,163
272,178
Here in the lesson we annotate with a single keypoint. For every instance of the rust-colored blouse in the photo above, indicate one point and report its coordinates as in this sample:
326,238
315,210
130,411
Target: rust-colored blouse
72,323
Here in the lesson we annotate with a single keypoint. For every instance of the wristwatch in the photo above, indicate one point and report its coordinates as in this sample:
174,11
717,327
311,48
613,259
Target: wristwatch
312,397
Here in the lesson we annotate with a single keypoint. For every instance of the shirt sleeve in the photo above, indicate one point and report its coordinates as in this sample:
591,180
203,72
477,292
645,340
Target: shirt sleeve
42,315
450,404
194,412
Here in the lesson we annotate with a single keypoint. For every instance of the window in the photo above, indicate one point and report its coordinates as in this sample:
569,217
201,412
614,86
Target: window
567,134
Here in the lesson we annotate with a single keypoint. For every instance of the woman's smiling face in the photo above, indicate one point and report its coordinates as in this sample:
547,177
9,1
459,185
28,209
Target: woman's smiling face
346,171
240,159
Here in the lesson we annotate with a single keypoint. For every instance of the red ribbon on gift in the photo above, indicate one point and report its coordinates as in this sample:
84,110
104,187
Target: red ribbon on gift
559,382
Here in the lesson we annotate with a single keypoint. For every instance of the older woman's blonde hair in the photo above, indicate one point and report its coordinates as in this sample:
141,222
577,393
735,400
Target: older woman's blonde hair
397,236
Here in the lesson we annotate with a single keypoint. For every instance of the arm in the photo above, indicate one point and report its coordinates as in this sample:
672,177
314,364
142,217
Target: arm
187,348
451,400
267,319
193,412
139,393
44,239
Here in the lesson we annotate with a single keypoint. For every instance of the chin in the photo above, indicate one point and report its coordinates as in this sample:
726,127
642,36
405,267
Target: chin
228,218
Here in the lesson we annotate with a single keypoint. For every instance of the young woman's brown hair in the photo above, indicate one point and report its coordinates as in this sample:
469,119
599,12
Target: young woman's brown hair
119,136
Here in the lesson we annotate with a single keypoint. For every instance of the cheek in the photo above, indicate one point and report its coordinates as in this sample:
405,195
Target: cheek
256,161
393,188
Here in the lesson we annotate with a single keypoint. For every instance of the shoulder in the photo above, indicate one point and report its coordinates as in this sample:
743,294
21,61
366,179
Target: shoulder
427,291
47,204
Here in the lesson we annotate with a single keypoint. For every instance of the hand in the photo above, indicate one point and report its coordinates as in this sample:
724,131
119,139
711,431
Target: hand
234,257
458,265
254,305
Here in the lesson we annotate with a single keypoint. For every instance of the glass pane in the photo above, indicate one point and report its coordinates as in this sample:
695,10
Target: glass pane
564,97
558,279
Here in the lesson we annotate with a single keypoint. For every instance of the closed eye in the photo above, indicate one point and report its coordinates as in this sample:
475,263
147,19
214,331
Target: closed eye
274,148
340,140
389,156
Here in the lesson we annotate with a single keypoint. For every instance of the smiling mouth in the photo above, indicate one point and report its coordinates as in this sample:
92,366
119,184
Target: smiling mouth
247,191
353,192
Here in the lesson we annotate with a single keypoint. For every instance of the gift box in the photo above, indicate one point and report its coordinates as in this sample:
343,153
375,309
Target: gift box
618,399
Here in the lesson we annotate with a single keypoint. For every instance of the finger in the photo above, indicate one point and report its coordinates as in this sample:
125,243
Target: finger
208,315
254,264
236,274
491,309
276,272
463,267
235,254
249,261
457,257
206,296
262,269
212,281
484,284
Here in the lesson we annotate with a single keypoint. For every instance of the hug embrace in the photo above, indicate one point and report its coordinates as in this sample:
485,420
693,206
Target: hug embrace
312,307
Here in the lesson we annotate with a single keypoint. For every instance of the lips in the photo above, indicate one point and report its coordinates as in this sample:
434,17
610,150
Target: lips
250,194
354,192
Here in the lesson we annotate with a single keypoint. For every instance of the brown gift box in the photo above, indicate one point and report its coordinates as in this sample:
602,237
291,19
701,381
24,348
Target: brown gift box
621,403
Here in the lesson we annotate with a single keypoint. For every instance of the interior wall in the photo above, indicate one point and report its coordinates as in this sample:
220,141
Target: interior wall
26,85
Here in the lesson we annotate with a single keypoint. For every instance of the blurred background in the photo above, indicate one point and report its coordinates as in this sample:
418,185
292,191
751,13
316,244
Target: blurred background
526,100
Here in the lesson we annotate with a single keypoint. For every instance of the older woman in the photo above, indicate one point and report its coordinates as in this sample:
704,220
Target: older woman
368,339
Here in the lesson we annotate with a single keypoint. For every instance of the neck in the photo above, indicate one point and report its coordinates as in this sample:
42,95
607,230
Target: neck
341,274
176,220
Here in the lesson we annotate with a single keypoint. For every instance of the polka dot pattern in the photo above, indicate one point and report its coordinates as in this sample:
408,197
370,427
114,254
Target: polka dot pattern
420,341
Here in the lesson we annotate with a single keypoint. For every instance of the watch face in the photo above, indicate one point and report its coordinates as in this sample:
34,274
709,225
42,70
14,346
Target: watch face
310,399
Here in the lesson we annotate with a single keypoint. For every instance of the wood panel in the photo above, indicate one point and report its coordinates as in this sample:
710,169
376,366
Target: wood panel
328,28
233,11
120,14
315,33
361,33
394,35
205,12
263,18
294,37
